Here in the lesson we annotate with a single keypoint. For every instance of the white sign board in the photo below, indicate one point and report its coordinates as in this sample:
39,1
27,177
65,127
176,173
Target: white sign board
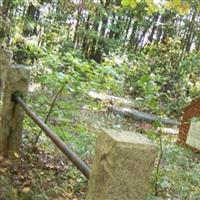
193,138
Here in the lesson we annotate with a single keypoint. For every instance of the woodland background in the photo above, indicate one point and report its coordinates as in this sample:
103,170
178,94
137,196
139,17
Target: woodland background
147,52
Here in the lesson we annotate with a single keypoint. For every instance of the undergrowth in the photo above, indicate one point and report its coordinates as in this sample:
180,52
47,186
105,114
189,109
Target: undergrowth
42,172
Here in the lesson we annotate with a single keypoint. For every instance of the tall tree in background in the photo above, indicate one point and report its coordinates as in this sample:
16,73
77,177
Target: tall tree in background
100,27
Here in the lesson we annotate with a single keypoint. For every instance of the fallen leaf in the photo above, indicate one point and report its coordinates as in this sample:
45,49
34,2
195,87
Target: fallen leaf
1,158
16,155
26,189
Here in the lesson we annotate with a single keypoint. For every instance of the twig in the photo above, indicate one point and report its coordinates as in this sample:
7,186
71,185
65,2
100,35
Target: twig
50,111
159,161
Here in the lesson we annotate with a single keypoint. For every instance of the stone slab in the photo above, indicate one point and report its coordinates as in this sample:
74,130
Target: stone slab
193,138
12,114
5,63
122,167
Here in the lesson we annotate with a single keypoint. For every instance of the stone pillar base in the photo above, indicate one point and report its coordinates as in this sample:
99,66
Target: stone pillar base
122,167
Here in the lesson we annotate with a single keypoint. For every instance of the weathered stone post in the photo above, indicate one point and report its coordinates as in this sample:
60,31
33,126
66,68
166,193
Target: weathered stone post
11,114
122,167
5,61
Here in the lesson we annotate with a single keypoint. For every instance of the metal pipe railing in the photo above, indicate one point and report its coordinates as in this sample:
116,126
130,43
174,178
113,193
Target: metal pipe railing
54,138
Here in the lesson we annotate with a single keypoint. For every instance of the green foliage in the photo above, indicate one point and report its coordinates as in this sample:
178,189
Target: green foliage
162,73
26,52
6,189
178,174
182,169
142,49
179,6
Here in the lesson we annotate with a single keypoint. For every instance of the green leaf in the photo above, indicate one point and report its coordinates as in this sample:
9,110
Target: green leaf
153,103
143,79
152,7
131,3
177,2
125,2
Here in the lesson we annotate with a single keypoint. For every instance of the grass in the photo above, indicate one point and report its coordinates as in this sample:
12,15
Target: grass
179,176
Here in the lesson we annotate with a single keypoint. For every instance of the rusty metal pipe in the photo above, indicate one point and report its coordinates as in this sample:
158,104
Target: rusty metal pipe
54,138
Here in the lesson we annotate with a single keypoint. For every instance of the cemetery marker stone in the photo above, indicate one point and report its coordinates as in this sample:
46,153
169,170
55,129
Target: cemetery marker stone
13,78
122,166
193,138
189,131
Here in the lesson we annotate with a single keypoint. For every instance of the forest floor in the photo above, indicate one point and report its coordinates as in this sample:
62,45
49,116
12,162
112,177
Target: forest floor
42,172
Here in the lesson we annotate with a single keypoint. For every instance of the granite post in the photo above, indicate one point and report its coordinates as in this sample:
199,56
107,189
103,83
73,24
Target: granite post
5,63
122,167
12,115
